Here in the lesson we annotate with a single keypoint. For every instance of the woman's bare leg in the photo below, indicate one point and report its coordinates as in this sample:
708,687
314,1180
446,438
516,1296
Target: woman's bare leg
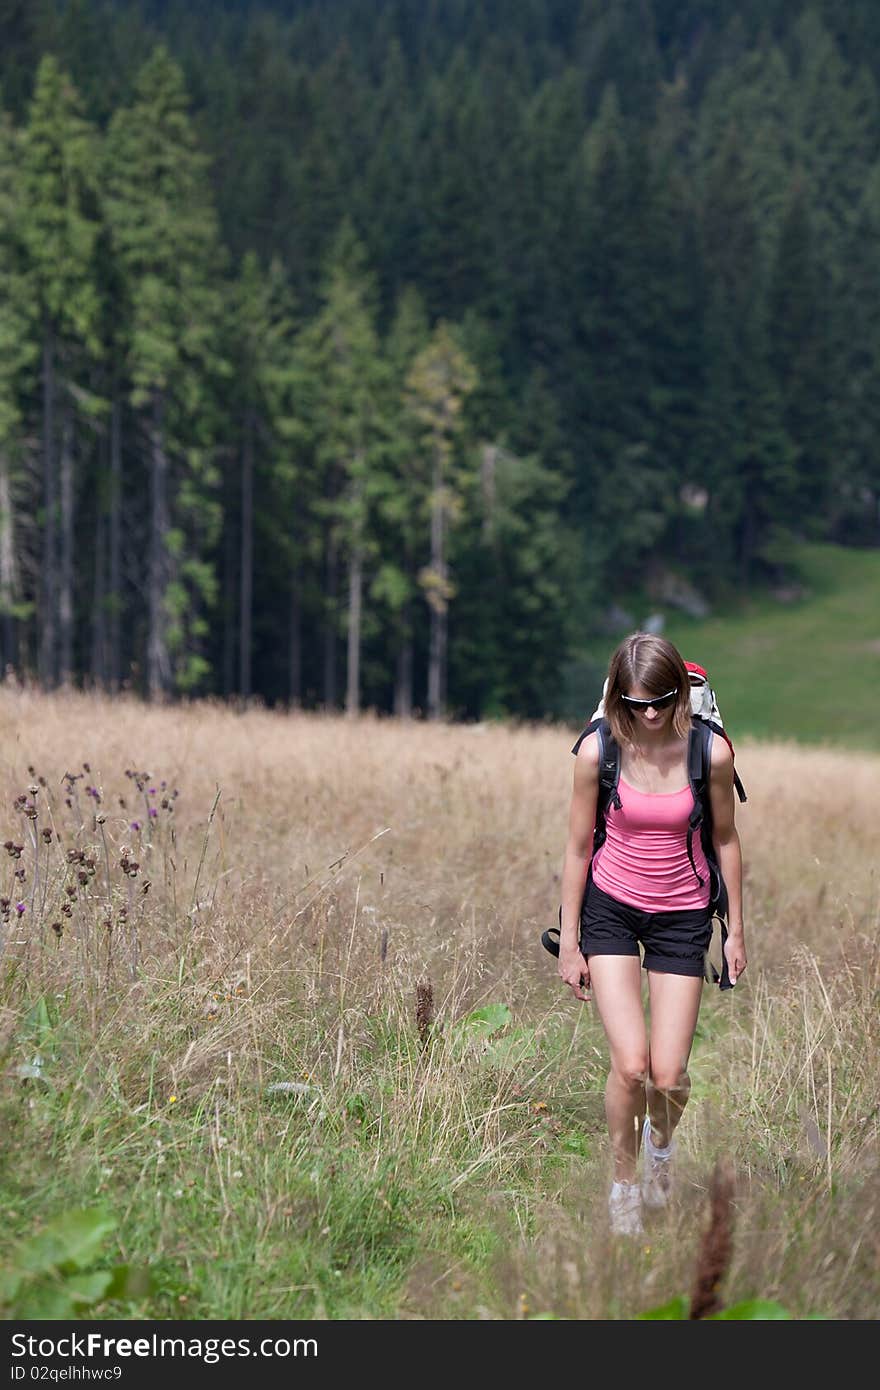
617,990
675,1005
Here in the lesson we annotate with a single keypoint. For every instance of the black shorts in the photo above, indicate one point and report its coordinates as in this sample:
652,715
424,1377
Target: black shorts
675,943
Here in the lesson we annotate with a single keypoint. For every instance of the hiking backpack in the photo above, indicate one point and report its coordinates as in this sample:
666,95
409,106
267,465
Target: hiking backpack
705,723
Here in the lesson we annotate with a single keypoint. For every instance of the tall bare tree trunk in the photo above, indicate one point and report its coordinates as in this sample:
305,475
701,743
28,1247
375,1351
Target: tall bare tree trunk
99,605
355,589
48,652
488,468
65,588
98,664
230,597
115,542
9,588
158,661
403,672
437,597
331,583
403,679
247,557
295,654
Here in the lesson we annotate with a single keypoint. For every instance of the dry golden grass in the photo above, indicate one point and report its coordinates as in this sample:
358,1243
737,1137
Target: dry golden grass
464,817
315,871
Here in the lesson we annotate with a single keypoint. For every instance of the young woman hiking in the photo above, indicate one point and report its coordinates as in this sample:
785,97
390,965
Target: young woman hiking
642,889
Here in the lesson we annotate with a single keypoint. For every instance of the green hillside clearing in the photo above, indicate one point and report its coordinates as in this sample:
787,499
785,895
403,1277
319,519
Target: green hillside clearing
806,669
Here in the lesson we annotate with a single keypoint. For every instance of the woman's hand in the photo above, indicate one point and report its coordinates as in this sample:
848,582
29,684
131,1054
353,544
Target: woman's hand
574,971
735,954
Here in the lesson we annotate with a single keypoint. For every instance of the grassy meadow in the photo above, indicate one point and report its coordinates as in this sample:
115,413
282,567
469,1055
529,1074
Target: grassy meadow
274,1009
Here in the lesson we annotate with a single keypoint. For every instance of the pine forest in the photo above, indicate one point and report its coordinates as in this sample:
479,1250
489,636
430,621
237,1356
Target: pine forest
371,353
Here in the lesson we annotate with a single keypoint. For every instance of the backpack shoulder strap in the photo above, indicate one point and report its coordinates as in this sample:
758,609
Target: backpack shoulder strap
609,767
699,758
698,762
712,727
609,762
591,728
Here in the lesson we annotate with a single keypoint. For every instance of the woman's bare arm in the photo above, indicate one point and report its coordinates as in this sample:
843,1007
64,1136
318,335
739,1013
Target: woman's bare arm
573,968
725,838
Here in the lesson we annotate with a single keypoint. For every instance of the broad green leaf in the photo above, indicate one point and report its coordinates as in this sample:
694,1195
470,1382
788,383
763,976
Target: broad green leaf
676,1309
482,1023
754,1310
47,1302
74,1239
10,1283
88,1288
513,1048
129,1281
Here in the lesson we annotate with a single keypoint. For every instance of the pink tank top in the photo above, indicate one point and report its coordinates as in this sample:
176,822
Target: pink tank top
644,860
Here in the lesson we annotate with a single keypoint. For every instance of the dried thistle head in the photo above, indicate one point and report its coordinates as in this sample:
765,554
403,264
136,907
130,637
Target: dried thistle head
424,1009
717,1244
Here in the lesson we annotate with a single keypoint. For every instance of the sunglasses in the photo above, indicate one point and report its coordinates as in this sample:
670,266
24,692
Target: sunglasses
658,701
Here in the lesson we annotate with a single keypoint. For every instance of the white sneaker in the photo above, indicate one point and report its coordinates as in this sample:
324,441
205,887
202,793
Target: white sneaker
624,1209
656,1170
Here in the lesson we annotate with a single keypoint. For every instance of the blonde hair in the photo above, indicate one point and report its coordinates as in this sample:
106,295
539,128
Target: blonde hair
654,663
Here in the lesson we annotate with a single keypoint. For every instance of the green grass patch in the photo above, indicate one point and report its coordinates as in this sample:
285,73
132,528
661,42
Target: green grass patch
807,668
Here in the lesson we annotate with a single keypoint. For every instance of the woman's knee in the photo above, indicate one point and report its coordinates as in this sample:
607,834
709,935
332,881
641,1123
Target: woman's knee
631,1071
670,1078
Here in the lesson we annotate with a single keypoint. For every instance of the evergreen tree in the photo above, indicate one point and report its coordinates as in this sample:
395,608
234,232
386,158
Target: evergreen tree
261,331
750,465
622,493
552,209
340,353
671,315
514,609
834,118
400,500
799,351
854,420
390,181
26,27
615,44
60,174
439,382
19,336
454,246
756,95
164,231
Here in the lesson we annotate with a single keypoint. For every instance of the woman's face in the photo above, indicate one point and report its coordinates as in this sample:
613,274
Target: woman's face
647,716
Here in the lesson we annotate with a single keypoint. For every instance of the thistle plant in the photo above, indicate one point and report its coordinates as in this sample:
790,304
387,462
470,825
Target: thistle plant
424,1010
54,892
